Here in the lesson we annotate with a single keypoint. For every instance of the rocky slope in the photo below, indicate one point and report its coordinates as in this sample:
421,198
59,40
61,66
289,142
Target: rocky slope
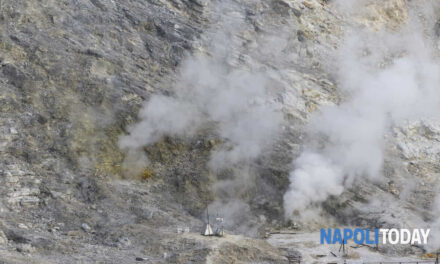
73,77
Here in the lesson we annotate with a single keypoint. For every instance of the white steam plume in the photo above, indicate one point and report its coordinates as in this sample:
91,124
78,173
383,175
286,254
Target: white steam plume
211,87
386,78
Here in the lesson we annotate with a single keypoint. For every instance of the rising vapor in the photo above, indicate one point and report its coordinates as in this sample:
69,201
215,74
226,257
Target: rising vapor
213,87
386,78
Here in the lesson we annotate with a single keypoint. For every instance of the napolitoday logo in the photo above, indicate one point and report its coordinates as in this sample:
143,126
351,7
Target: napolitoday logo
375,236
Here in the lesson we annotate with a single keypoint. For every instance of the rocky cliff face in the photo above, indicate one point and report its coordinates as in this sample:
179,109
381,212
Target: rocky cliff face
74,76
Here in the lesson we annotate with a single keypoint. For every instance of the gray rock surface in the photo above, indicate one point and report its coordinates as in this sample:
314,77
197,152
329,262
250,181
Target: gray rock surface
73,76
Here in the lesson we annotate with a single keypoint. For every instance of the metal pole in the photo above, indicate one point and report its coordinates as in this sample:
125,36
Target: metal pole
343,246
207,213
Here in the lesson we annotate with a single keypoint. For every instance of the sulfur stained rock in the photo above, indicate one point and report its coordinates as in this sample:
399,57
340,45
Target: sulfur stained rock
73,76
147,174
